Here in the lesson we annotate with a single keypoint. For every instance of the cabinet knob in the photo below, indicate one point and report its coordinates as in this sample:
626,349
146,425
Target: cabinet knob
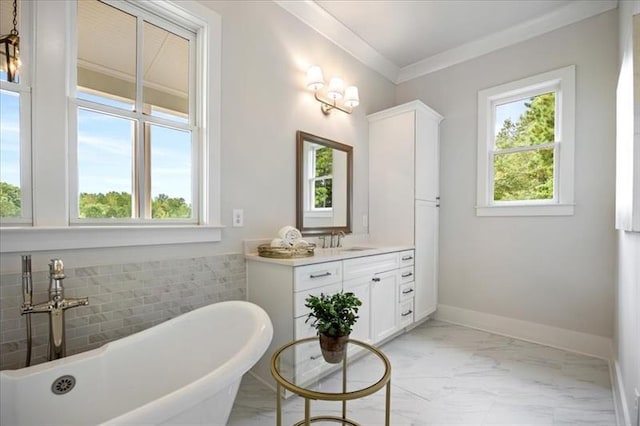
375,279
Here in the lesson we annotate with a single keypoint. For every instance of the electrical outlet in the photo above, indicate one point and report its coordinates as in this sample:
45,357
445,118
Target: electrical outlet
238,217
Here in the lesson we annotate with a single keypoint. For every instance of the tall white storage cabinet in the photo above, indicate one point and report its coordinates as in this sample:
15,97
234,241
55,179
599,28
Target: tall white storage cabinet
403,193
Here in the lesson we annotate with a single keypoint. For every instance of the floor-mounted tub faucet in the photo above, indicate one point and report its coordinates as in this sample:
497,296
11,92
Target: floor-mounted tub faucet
55,307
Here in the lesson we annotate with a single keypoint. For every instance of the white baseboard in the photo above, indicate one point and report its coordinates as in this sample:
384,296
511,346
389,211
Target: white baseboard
623,415
574,341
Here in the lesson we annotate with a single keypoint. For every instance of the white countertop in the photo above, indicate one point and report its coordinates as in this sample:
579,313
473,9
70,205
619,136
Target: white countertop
331,254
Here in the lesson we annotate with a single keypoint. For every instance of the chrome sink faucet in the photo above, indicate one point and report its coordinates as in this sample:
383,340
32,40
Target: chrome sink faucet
334,239
55,307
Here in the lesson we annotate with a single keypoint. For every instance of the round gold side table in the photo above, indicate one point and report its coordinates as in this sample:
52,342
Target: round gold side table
296,370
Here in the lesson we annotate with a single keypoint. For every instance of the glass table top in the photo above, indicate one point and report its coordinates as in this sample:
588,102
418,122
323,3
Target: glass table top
300,368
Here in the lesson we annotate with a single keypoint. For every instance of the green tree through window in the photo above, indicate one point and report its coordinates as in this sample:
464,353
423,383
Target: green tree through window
323,182
10,204
526,174
118,205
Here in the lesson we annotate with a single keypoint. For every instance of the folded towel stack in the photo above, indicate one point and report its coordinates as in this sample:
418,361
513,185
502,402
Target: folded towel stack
288,236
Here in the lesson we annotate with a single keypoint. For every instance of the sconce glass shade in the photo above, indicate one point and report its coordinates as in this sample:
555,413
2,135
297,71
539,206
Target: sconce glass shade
315,81
10,49
336,88
10,56
351,98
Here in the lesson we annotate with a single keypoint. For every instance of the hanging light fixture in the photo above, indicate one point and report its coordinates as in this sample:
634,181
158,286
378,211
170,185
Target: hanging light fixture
336,91
10,49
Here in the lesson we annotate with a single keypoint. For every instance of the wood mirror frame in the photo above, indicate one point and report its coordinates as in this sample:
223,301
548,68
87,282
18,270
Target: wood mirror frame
301,181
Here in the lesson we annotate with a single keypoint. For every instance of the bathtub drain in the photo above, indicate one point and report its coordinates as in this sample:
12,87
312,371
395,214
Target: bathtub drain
63,384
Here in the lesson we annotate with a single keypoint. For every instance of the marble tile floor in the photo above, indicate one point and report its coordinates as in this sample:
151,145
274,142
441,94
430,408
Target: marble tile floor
444,374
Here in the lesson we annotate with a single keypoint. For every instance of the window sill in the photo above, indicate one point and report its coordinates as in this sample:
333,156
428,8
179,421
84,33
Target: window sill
526,210
25,239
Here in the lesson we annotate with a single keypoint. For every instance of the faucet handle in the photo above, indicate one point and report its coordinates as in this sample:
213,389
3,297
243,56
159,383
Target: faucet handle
56,269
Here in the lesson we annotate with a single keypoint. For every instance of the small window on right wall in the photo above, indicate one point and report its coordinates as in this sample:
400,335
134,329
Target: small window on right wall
526,146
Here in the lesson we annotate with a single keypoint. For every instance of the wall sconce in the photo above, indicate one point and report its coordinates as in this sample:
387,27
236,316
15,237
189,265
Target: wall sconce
10,49
336,90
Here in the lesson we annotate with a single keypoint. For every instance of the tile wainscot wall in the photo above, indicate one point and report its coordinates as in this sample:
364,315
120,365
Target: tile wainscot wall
124,299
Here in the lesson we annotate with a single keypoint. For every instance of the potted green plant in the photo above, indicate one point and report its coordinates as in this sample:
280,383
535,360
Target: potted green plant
333,317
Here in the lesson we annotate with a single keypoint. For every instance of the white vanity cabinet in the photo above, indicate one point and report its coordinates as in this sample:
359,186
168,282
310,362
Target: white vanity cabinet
404,200
377,277
281,290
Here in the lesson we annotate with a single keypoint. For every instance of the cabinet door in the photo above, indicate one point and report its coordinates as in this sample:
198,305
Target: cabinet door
361,287
426,261
391,179
384,302
426,157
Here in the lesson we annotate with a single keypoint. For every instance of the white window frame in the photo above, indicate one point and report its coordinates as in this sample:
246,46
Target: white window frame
562,83
54,62
311,185
142,146
23,89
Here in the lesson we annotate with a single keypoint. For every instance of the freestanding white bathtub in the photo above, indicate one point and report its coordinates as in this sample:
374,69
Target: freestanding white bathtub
182,372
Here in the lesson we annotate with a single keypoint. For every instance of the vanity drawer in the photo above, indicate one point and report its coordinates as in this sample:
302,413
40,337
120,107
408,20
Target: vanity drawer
317,275
407,258
299,297
405,313
407,290
370,265
406,274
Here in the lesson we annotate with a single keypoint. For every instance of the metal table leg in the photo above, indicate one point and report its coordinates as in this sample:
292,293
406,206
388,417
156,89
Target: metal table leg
344,386
278,405
387,405
307,415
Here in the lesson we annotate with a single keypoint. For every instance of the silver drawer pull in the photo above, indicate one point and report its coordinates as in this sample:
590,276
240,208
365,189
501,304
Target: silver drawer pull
407,257
375,279
404,314
407,291
314,357
326,274
407,274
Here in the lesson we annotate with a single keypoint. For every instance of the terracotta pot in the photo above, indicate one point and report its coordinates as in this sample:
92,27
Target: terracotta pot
333,348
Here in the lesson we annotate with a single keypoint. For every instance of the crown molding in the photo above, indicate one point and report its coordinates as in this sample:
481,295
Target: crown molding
570,14
324,23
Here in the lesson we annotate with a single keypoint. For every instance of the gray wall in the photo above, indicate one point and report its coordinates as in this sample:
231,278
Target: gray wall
627,337
555,271
265,54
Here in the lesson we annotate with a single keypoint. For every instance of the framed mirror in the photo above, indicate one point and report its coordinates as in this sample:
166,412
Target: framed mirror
324,185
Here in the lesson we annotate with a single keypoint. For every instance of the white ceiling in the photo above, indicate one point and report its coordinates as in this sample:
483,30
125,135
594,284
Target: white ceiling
404,39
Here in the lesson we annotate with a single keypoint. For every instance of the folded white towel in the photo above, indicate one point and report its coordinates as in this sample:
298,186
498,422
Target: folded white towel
289,235
300,244
277,242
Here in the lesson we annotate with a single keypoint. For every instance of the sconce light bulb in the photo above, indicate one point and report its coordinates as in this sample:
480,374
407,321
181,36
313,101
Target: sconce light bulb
336,88
351,98
315,81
